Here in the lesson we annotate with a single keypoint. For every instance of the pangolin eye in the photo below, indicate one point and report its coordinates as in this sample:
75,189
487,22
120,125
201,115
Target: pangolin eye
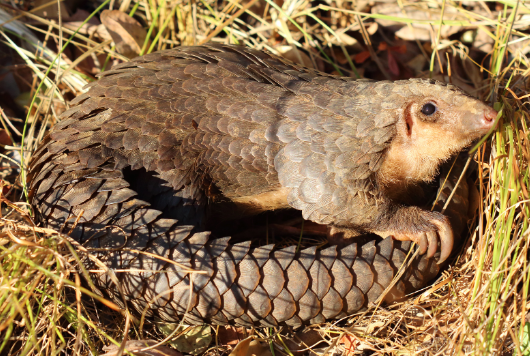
428,109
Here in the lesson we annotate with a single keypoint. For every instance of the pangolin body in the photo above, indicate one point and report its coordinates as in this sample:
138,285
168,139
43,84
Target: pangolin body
161,145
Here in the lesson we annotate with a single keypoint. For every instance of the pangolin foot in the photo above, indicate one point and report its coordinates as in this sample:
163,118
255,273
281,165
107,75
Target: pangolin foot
428,240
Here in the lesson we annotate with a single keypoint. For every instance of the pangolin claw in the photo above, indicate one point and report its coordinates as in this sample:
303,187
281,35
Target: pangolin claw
424,243
428,240
431,237
446,239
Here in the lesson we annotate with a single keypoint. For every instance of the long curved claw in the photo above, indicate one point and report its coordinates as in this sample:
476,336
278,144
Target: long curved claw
446,239
433,243
424,243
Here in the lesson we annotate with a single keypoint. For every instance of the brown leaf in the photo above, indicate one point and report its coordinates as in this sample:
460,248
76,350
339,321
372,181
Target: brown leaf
399,49
5,188
372,28
342,39
242,348
307,338
51,11
127,33
230,335
350,343
417,31
251,347
4,138
293,54
89,29
392,64
361,57
259,348
133,346
417,63
194,340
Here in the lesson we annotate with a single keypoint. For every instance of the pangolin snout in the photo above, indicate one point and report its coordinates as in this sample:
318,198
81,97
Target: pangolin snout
482,121
488,119
489,116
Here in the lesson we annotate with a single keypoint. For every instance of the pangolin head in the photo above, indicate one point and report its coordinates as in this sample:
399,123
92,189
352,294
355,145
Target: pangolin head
433,121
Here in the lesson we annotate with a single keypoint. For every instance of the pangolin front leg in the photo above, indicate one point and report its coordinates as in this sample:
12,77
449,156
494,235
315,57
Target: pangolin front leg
425,228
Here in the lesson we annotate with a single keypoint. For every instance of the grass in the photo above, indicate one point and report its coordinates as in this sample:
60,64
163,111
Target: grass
480,303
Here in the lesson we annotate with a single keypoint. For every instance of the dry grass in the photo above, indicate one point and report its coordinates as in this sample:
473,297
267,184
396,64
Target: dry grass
480,303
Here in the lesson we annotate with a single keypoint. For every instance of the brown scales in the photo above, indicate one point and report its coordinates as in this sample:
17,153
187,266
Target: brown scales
159,143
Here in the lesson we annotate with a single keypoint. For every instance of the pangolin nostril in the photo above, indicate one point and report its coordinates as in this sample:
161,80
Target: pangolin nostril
490,115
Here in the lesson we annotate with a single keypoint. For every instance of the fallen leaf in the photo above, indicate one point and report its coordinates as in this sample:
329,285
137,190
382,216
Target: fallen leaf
342,39
241,349
93,28
392,64
399,49
350,343
194,340
372,29
382,46
51,11
361,57
417,63
367,329
417,31
5,186
414,33
4,138
133,346
302,340
127,33
295,55
89,29
251,347
259,348
230,335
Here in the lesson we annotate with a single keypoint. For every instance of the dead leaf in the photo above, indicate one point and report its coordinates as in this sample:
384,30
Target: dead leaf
5,187
93,28
342,39
302,340
295,55
361,57
417,63
481,39
230,335
372,29
259,348
133,346
194,340
393,66
51,11
422,31
126,32
367,330
350,343
4,138
241,349
251,347
90,30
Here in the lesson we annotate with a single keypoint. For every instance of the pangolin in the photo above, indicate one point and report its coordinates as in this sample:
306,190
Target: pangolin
163,146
